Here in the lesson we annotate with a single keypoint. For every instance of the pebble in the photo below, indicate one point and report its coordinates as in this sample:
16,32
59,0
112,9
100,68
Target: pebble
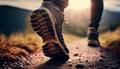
77,47
88,62
79,66
76,54
79,59
100,60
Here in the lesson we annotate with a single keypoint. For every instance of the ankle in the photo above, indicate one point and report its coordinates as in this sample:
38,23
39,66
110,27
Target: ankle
92,33
60,4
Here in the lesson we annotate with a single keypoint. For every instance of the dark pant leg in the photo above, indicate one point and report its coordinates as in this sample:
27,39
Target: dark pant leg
96,13
62,4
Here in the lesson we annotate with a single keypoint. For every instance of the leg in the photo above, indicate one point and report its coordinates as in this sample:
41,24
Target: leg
95,17
96,13
47,23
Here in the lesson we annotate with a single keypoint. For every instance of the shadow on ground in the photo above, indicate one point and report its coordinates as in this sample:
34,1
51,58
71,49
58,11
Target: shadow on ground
51,64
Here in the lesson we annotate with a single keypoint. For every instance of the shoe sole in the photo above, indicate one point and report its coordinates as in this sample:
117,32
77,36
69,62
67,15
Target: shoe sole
93,43
42,22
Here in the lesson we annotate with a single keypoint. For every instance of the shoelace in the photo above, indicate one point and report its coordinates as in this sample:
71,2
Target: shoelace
66,23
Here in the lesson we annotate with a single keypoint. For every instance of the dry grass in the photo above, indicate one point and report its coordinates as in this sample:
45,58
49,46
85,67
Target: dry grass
18,45
109,37
111,40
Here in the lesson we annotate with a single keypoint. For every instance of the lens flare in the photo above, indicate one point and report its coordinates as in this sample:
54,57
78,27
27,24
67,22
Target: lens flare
79,4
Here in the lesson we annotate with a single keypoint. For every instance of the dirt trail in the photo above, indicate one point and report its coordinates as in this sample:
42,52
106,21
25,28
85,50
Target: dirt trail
81,57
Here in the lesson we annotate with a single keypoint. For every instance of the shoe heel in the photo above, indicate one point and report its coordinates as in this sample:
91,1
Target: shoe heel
54,50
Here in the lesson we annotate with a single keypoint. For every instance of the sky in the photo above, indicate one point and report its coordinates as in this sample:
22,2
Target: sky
113,5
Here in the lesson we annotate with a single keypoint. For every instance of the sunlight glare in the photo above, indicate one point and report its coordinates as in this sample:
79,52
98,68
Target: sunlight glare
79,4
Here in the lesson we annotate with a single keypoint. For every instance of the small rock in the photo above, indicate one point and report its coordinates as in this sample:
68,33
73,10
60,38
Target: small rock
100,60
77,47
88,62
76,54
79,66
79,59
